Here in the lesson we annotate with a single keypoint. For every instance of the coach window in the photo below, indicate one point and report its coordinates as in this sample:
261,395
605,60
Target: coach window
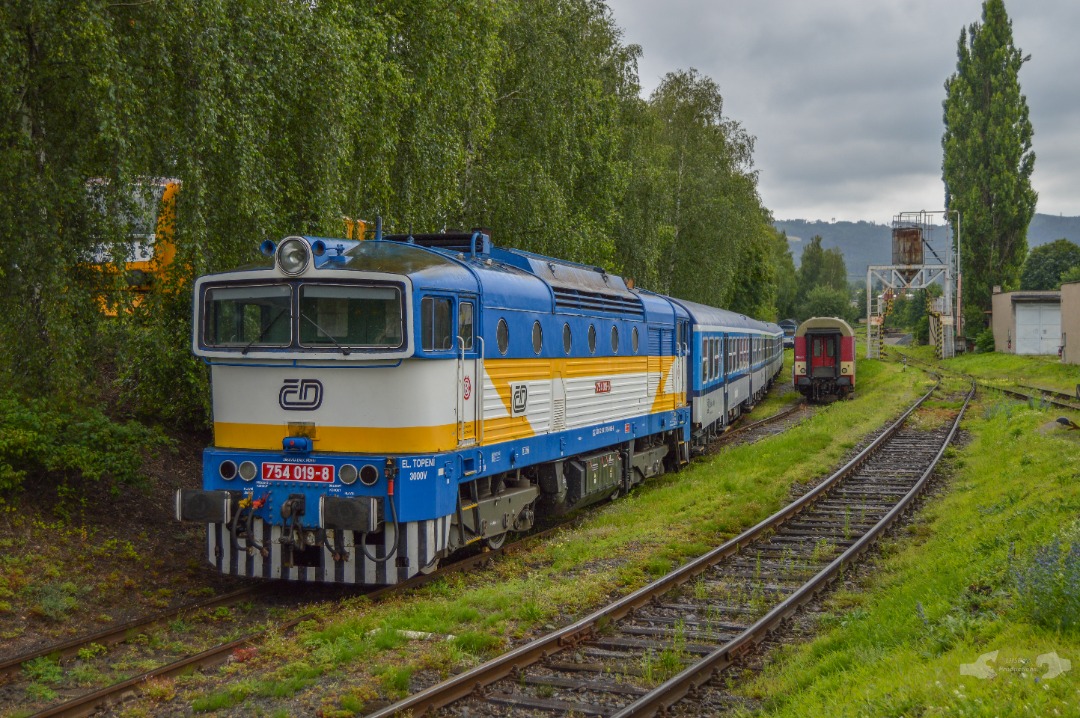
537,338
634,340
704,360
592,339
716,357
614,339
502,336
465,324
567,339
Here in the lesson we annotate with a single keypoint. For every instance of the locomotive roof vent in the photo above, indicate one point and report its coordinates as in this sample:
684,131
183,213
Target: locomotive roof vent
472,243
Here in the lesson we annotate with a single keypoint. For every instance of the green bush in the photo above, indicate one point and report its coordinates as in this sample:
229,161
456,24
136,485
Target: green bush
37,437
984,341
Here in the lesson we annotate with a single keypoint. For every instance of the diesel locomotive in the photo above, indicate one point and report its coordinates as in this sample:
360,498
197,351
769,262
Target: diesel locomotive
380,404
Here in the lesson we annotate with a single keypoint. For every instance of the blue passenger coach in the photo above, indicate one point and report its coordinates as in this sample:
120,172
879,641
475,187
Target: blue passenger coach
380,404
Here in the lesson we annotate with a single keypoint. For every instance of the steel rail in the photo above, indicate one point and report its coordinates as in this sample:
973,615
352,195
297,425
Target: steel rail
783,414
476,679
123,632
690,679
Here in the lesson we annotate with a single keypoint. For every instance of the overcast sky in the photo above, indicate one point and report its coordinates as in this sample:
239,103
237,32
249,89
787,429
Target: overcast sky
844,96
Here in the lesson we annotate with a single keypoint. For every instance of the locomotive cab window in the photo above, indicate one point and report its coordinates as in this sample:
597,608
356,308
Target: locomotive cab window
465,324
247,316
353,316
435,327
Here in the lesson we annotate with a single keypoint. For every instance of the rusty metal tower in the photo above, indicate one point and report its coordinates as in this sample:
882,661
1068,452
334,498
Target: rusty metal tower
923,253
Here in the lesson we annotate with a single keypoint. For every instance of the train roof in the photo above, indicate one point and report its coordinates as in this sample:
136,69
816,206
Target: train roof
714,317
815,324
508,278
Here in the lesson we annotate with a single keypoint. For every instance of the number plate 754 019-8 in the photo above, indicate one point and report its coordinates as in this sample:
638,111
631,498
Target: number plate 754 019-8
319,473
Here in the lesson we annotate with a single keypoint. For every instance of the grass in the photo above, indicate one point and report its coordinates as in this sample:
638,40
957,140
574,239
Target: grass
986,580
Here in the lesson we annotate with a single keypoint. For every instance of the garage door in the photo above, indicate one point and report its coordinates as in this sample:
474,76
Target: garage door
1038,328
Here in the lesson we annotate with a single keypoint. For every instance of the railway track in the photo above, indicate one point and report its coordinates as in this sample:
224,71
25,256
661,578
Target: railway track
89,702
1017,390
648,650
756,430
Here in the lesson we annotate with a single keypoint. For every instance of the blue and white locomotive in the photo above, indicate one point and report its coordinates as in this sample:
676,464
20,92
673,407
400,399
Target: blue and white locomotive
380,404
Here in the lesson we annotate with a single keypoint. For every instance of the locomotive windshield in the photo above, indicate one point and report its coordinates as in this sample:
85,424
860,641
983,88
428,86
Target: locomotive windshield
321,317
350,316
246,316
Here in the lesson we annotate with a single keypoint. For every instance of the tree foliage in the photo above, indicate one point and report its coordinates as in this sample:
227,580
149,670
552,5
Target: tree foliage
819,268
988,158
1047,265
282,117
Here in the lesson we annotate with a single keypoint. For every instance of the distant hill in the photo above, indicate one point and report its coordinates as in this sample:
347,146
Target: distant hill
866,243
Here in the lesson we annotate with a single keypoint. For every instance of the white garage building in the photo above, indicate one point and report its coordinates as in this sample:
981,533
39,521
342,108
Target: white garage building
1027,322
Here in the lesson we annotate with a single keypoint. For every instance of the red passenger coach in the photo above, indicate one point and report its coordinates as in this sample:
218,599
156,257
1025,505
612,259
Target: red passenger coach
824,366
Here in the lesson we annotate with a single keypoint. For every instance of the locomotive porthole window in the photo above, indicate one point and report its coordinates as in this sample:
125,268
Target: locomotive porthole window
592,339
567,339
614,339
538,337
634,340
502,336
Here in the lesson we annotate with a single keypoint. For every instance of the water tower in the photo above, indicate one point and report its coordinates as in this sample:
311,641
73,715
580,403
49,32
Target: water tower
913,235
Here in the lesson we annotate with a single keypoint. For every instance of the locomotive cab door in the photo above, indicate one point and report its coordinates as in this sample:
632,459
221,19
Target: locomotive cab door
681,378
470,374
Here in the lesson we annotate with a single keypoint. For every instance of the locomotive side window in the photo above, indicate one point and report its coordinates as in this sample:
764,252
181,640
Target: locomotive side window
336,315
465,324
614,339
247,316
435,327
634,340
567,338
502,336
537,337
592,339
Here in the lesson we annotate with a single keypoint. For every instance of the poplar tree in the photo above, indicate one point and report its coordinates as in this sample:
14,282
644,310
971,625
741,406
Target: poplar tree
988,158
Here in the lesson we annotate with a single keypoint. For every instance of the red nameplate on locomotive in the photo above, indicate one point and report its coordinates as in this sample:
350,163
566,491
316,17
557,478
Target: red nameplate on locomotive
318,473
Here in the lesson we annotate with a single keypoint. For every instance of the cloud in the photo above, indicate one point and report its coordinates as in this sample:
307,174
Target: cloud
844,97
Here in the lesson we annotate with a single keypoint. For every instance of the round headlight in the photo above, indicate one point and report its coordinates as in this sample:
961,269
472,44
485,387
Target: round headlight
247,470
347,474
293,255
369,475
227,470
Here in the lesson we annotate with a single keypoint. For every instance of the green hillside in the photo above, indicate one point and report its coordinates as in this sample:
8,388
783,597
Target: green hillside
866,243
